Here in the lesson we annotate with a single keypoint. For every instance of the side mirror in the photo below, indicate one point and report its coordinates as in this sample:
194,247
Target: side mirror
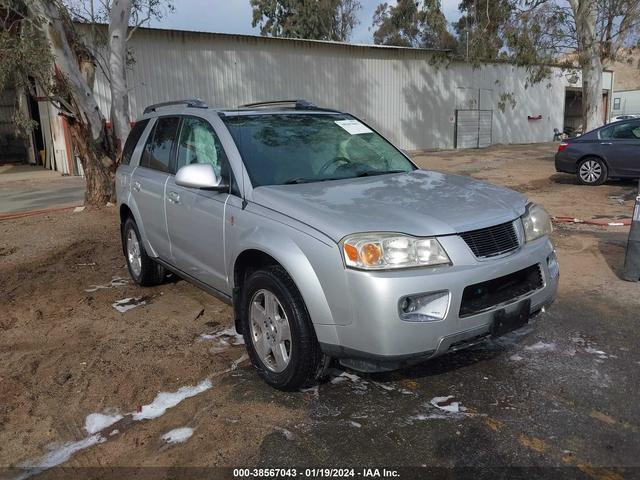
199,175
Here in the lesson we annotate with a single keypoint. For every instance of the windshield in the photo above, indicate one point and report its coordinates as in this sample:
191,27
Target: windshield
288,148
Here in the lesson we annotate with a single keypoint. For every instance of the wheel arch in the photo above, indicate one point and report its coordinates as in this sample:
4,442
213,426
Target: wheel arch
130,210
593,155
287,254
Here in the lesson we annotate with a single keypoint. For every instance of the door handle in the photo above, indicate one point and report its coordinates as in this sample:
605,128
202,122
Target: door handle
605,143
136,186
174,197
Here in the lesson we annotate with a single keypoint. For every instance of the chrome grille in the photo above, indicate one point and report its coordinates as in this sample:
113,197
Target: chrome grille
492,241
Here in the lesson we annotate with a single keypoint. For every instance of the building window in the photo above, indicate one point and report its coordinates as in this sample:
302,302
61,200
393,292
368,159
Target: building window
616,103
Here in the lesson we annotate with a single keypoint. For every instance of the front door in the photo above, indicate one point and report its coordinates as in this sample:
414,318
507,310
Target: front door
148,184
195,217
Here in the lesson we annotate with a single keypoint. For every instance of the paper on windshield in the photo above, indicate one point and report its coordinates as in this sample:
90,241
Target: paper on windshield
354,127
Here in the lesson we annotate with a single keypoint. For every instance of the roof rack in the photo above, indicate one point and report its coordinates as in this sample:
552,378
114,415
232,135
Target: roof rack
191,102
297,104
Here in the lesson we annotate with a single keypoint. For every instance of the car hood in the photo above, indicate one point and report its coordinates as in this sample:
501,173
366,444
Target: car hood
420,203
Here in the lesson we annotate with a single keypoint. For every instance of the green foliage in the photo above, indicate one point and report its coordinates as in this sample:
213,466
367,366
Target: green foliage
25,57
506,98
24,51
142,11
412,24
311,19
480,28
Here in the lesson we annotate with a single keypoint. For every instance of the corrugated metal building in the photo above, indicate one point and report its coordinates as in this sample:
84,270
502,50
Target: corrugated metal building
626,102
410,95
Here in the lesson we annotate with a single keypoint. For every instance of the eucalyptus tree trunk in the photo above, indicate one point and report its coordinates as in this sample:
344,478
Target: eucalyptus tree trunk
118,26
87,124
584,12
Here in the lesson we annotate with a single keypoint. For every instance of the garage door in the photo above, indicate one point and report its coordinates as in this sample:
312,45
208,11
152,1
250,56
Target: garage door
473,128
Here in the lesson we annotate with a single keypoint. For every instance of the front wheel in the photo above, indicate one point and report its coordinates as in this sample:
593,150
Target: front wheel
592,171
279,336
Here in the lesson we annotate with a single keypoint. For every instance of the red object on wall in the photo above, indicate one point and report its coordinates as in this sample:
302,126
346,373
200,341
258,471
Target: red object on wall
534,117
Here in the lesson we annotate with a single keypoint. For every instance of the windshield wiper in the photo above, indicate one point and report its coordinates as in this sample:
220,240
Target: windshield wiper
372,173
298,180
293,181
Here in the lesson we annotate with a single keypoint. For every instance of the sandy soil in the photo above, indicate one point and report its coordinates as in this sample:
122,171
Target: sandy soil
66,353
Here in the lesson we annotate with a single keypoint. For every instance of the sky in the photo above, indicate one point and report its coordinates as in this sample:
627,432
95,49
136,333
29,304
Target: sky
234,16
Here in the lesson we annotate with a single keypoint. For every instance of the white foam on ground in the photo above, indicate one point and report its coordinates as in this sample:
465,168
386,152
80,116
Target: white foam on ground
95,422
57,455
432,416
166,400
163,401
313,391
115,282
126,304
358,383
287,433
178,435
355,424
515,358
447,404
541,347
230,334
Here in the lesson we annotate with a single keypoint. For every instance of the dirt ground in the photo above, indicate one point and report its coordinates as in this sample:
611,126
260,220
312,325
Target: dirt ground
542,398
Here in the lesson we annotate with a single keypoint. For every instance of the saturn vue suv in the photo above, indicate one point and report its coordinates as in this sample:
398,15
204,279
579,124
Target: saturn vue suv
326,238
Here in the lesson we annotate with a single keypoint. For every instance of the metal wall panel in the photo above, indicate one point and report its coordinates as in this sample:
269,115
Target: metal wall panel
399,91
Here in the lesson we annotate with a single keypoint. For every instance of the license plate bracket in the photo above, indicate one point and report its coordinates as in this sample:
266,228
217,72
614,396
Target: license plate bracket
507,321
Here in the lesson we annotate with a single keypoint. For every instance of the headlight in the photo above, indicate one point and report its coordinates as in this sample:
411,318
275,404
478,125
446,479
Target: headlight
536,222
383,251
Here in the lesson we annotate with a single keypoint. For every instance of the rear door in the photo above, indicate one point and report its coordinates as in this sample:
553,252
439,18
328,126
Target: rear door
195,217
620,146
148,184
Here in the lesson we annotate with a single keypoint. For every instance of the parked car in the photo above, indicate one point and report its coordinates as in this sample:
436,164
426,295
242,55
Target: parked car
617,118
609,151
328,241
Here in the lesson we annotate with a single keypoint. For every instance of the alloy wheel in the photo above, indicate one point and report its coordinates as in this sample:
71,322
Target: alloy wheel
590,171
270,330
133,252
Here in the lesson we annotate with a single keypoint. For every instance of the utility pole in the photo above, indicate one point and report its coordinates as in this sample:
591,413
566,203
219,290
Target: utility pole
631,271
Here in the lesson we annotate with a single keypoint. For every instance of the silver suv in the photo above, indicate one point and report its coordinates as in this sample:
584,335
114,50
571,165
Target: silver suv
328,241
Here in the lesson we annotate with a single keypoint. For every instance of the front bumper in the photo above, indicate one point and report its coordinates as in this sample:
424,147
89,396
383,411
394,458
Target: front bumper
378,339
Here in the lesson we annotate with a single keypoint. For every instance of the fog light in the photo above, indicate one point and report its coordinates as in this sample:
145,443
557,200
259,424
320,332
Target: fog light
424,307
552,264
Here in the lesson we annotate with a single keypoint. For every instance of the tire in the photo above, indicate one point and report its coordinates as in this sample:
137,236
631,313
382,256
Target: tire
592,171
145,271
300,360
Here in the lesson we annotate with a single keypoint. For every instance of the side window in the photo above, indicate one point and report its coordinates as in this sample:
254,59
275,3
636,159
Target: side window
199,144
132,141
628,131
606,133
157,151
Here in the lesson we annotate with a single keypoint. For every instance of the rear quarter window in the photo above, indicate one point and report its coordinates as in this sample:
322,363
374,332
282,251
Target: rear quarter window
132,141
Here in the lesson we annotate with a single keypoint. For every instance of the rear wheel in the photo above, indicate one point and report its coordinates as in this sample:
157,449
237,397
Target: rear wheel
592,171
278,332
142,268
